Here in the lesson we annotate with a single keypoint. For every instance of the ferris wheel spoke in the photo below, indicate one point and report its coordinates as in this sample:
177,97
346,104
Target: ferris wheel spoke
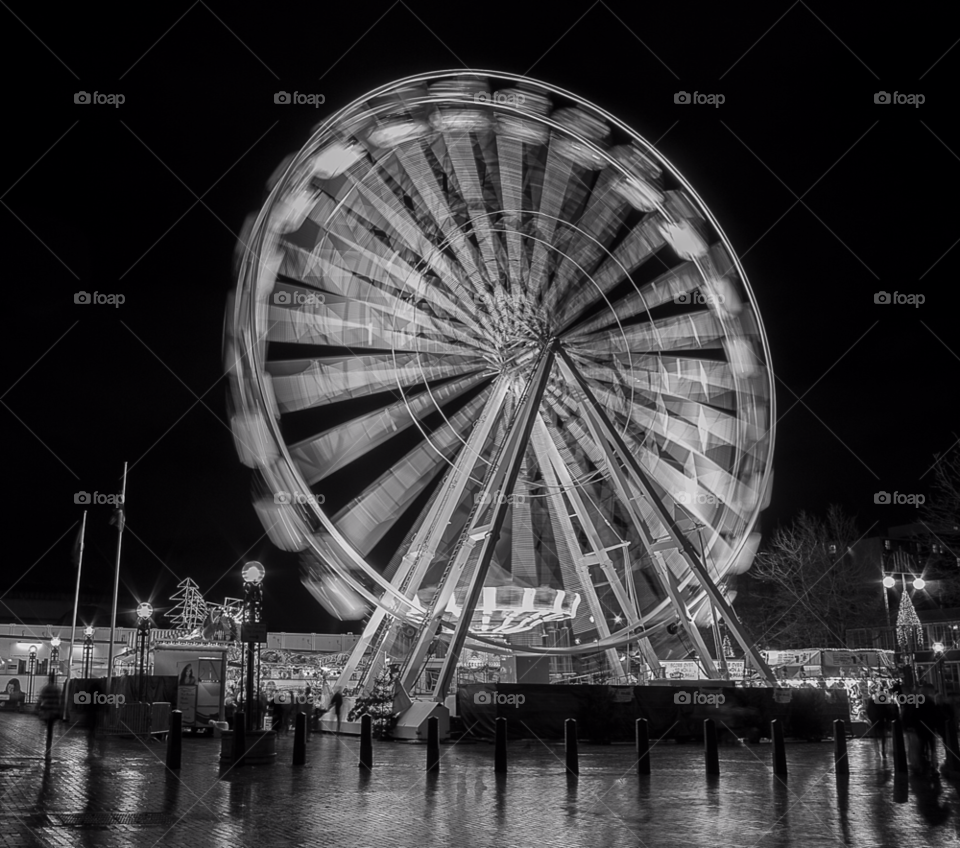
366,519
584,242
414,161
689,332
557,175
703,381
673,283
460,147
354,325
322,455
370,191
304,384
510,159
639,246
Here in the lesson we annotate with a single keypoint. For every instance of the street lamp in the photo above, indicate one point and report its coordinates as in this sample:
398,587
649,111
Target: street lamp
55,657
252,633
87,652
919,583
144,625
32,671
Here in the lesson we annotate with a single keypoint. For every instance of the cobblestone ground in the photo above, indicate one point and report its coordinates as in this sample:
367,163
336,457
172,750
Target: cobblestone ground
117,792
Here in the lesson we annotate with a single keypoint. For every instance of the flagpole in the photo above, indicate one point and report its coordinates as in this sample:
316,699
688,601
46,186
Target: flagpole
116,577
76,603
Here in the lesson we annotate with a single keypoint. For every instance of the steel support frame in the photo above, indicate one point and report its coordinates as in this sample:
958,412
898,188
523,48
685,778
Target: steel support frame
500,479
548,467
419,556
683,544
666,577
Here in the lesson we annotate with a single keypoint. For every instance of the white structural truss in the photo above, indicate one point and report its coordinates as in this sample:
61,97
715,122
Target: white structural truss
497,368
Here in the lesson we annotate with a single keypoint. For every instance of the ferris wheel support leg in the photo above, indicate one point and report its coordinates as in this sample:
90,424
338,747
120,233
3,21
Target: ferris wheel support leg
427,544
624,491
502,479
544,448
423,548
681,541
670,579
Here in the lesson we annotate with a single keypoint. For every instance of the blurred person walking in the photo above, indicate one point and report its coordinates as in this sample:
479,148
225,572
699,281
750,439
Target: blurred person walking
49,708
337,703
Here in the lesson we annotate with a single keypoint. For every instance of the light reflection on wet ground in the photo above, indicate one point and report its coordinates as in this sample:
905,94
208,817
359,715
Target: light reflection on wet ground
121,794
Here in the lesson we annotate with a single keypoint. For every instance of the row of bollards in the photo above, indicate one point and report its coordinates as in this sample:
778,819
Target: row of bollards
572,763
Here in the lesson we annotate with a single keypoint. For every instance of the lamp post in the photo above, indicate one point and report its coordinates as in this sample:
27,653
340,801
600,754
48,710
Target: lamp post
32,671
87,652
251,633
144,625
55,657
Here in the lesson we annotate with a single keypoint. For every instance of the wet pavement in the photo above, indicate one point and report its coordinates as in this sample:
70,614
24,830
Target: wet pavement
117,792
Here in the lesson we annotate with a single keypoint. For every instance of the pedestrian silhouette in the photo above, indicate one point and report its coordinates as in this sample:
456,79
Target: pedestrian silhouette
337,703
49,709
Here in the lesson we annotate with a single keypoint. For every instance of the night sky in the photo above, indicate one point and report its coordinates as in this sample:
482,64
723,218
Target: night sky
104,199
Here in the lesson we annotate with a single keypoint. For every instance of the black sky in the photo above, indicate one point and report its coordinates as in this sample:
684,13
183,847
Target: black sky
105,199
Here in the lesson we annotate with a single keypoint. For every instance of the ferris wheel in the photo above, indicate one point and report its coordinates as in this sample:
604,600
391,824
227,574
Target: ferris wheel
498,369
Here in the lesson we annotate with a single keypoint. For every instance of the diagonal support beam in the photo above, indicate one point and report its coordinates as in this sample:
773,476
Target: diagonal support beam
662,571
421,551
630,609
683,544
502,479
542,444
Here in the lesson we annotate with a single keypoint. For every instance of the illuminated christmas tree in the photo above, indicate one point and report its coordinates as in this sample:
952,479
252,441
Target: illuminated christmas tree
190,610
909,631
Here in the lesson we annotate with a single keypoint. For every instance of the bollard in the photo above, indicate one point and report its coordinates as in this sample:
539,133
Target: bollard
710,755
779,752
500,747
300,740
174,739
840,760
366,742
239,737
433,744
570,743
643,746
899,748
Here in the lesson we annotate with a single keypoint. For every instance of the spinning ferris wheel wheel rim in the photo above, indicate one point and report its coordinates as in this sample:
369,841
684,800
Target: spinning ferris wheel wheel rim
442,98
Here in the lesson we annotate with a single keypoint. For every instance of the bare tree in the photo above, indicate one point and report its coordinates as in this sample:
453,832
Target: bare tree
940,540
813,585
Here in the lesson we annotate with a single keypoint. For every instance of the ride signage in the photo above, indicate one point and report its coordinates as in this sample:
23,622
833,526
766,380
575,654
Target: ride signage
253,632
